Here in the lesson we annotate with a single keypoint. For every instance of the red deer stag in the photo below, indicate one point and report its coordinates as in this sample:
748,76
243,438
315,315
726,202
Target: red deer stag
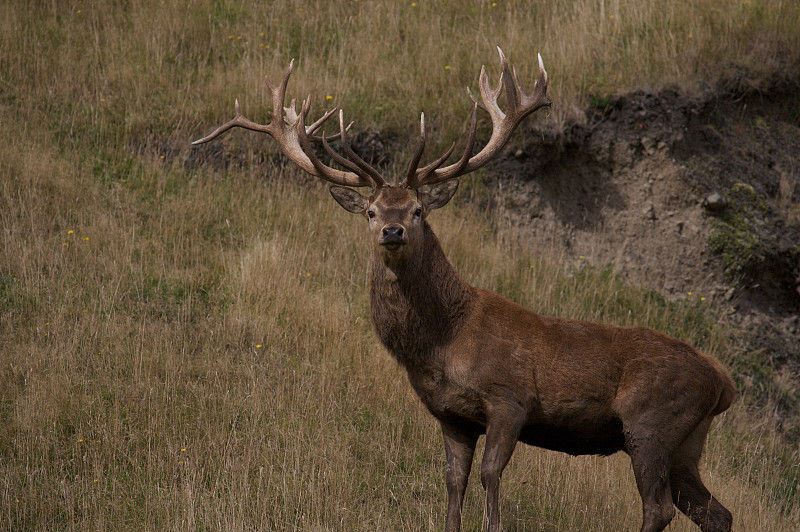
484,365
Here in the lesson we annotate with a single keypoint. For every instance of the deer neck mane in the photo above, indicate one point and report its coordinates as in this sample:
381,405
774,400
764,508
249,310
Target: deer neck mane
418,306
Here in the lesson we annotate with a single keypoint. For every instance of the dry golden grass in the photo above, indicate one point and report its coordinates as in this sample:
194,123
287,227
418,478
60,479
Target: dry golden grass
192,350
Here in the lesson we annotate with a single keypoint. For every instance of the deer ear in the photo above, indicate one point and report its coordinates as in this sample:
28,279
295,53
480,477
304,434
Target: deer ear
439,194
350,199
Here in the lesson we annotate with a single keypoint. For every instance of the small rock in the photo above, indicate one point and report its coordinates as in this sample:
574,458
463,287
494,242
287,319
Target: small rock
649,212
649,145
714,203
519,153
729,294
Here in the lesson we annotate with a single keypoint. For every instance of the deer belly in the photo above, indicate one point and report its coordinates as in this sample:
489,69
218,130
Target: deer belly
601,437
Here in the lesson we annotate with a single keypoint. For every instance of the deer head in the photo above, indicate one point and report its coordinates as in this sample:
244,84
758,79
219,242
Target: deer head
396,213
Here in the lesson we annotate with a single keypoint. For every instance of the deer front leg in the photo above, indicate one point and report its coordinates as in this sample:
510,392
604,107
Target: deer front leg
502,434
459,447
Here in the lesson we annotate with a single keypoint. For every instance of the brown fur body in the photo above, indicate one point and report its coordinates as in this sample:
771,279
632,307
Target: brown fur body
482,364
466,348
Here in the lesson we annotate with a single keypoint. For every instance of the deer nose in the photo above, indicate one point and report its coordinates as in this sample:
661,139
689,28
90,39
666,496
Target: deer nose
392,232
392,236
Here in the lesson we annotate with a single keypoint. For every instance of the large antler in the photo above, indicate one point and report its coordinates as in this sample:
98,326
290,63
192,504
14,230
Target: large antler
519,105
293,138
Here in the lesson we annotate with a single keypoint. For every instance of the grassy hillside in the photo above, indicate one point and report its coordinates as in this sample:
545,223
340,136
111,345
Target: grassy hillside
184,348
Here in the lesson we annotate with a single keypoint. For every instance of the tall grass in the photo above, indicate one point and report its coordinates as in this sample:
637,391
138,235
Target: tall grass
135,71
191,349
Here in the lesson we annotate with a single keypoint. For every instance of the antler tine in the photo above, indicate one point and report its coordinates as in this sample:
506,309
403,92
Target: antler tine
310,130
350,165
304,141
519,105
238,121
353,156
473,129
279,92
291,135
507,81
518,83
410,180
318,138
423,174
325,172
279,95
490,96
541,83
475,100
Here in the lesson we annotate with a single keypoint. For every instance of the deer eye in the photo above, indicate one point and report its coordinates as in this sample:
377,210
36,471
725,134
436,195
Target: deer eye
371,214
418,212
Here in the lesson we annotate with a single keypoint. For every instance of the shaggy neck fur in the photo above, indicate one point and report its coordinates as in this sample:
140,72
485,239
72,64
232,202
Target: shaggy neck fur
420,305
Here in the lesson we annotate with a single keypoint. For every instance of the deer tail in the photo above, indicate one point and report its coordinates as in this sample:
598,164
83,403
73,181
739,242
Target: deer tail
727,388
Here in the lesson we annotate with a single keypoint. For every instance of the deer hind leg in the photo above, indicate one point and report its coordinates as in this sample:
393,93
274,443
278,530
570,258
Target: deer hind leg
688,491
651,466
460,448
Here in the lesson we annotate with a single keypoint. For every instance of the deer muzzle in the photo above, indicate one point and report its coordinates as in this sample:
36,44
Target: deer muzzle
393,236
